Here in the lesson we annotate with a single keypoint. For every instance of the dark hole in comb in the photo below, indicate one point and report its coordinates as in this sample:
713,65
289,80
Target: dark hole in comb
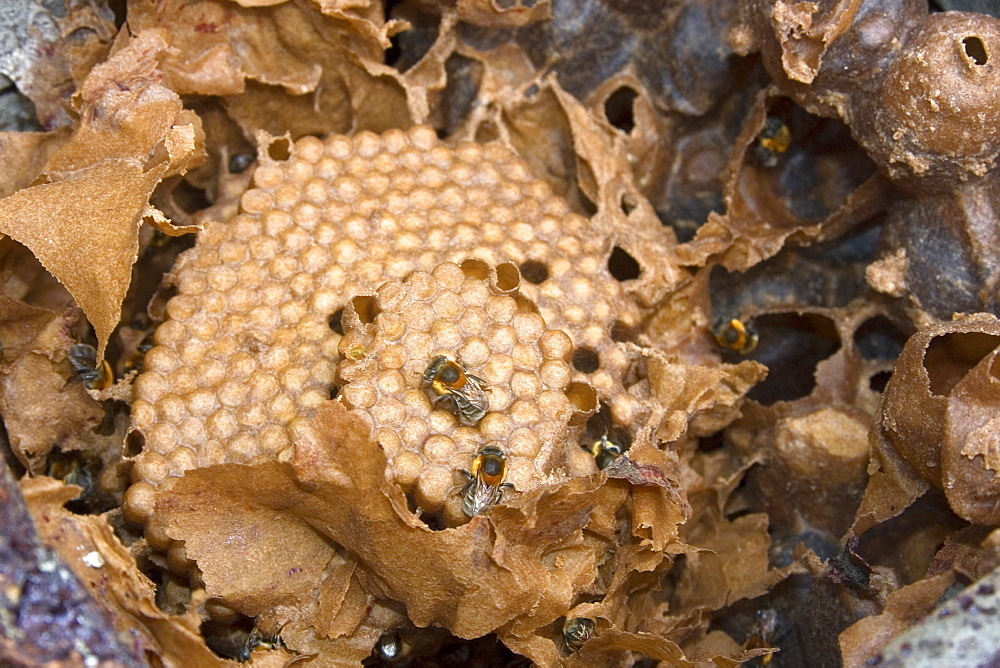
189,198
534,271
627,203
791,345
711,443
975,49
879,380
622,265
879,339
134,443
434,521
586,360
621,332
279,149
394,50
336,321
619,109
950,356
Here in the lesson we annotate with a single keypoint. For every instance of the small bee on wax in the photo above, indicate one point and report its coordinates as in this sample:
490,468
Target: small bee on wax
486,482
450,383
83,359
772,141
576,631
736,335
256,640
603,439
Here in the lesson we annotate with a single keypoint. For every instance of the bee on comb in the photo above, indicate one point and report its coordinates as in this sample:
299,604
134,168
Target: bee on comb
576,631
486,484
736,335
83,359
603,439
463,392
772,141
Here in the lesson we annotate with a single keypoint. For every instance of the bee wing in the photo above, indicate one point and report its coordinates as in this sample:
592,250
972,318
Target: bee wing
470,404
480,497
477,396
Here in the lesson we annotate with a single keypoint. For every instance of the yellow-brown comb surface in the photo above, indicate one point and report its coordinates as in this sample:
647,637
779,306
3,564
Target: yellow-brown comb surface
497,335
248,349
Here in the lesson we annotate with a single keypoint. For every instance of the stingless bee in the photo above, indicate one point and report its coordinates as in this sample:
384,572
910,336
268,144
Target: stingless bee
772,141
255,640
734,334
605,450
603,439
576,631
762,634
83,359
462,391
486,482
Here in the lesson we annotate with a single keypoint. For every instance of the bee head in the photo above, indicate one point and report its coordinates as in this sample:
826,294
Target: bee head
431,371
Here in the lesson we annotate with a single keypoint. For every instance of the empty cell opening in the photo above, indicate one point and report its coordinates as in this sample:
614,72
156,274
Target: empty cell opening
106,427
975,49
336,321
392,54
583,399
366,308
711,443
434,521
627,203
622,332
279,149
407,47
879,380
949,357
534,271
879,339
619,109
190,198
586,360
476,269
134,443
18,111
791,345
623,266
508,278
461,91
